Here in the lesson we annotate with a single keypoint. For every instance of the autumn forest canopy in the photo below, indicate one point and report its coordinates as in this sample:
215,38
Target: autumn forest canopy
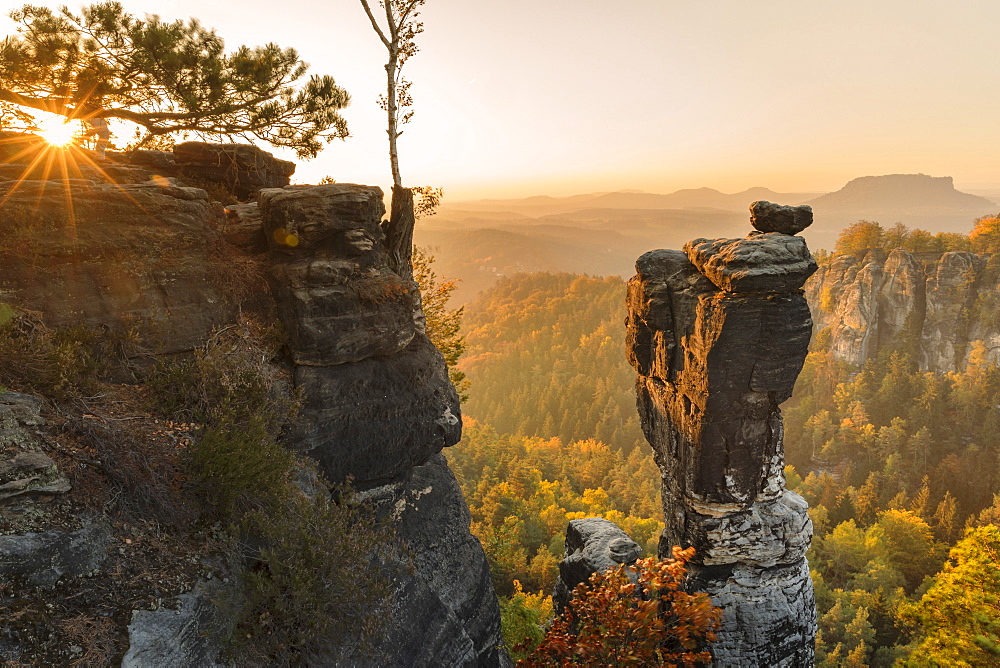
900,465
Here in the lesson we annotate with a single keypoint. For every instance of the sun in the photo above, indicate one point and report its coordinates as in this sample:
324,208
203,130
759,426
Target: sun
56,130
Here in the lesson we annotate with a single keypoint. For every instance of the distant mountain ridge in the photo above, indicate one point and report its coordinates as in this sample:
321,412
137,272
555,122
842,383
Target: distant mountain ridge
900,191
917,200
602,233
688,198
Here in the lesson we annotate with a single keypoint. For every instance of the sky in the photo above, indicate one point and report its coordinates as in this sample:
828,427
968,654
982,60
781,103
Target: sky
560,97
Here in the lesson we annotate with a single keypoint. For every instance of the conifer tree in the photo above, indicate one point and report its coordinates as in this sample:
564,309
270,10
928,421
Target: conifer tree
167,77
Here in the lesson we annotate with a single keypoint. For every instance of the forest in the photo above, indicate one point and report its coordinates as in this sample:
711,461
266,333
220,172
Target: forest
901,467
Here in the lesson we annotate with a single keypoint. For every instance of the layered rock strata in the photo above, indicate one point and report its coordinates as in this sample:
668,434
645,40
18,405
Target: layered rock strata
116,257
151,260
935,306
718,334
377,409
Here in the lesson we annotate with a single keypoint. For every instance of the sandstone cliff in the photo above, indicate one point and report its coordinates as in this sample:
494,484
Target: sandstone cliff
156,260
718,334
935,306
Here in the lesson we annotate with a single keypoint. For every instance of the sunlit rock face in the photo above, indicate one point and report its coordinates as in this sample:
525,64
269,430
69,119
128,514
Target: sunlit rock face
718,334
934,305
116,257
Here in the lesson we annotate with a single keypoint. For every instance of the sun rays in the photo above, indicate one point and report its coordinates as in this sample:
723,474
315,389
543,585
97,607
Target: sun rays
49,158
57,130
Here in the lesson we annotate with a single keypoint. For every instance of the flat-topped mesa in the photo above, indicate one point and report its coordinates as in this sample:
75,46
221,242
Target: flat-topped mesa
718,334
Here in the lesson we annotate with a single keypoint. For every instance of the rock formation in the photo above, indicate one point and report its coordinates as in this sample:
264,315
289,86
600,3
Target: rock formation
593,545
932,305
158,260
378,407
718,333
244,169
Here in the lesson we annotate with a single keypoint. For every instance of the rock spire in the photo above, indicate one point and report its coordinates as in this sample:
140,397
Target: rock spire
718,334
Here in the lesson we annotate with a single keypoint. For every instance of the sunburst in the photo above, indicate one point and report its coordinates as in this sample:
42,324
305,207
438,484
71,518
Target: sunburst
56,130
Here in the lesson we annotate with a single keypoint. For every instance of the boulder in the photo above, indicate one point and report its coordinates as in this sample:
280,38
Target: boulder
771,262
768,217
593,545
243,168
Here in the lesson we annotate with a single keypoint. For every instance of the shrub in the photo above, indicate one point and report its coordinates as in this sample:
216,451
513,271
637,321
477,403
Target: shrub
231,379
237,468
522,618
632,615
57,363
317,583
232,387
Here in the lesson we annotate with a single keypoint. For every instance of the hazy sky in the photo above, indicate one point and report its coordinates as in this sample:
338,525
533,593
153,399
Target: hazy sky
526,97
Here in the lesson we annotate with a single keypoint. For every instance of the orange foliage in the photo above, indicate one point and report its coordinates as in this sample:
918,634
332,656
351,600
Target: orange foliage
632,615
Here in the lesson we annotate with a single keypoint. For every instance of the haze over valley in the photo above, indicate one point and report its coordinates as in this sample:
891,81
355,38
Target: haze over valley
479,241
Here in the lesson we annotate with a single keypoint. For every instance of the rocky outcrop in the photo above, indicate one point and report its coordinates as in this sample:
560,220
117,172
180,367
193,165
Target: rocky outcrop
447,613
593,545
116,257
157,260
243,168
377,408
43,555
718,334
377,399
935,306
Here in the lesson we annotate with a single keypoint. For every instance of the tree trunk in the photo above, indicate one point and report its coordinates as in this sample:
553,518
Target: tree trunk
399,232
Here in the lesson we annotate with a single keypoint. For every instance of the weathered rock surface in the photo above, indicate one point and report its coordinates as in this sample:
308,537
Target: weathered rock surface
593,545
935,305
187,636
336,294
768,217
43,558
245,169
136,255
451,574
378,407
771,262
30,473
715,359
376,418
39,557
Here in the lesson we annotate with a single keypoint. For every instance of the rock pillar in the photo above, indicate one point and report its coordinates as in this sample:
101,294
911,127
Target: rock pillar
377,407
718,333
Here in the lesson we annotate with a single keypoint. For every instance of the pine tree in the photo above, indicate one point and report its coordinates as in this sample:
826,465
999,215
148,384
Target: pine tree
166,77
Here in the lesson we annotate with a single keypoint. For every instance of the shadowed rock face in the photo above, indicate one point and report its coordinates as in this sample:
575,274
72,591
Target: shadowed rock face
377,399
378,408
718,334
